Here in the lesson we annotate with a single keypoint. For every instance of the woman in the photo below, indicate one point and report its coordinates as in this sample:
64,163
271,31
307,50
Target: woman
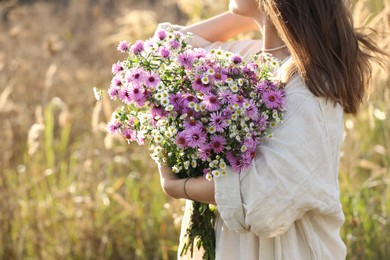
287,205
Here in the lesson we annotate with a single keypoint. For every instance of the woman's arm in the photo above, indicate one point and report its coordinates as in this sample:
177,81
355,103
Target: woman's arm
221,27
198,189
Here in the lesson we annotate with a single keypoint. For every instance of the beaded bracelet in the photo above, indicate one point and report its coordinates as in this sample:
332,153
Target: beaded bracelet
185,191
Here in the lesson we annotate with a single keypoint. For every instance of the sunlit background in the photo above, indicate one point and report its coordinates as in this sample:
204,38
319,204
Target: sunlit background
70,191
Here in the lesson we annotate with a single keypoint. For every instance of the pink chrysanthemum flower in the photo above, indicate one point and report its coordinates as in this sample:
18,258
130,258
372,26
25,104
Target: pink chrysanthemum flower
190,112
140,138
116,82
250,143
123,46
129,134
161,34
125,96
174,44
158,111
192,122
211,102
151,80
264,86
136,76
218,121
195,137
226,113
138,47
204,152
246,160
272,99
236,59
199,53
140,102
114,127
252,111
234,162
136,92
220,74
186,59
227,97
187,98
164,52
218,143
198,85
113,92
262,123
181,140
176,100
117,68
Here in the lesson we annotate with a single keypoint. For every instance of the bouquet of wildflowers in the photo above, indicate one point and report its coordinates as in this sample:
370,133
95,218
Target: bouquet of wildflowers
200,111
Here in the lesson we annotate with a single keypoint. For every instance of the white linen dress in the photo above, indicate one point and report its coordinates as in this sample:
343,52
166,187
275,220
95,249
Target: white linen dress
287,205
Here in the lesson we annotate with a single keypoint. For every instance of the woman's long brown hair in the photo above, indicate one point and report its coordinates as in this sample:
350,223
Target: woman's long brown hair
331,57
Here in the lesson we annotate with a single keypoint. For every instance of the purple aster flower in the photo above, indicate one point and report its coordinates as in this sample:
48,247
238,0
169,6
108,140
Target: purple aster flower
220,74
151,80
264,86
246,159
176,100
190,112
226,113
236,59
187,98
158,111
124,95
192,122
218,143
252,111
261,123
140,102
136,92
199,53
136,76
137,47
211,102
114,126
217,121
186,59
174,44
181,140
129,134
195,136
198,85
272,99
161,34
164,52
123,46
240,100
140,138
117,68
204,152
234,162
113,92
227,97
250,143
116,81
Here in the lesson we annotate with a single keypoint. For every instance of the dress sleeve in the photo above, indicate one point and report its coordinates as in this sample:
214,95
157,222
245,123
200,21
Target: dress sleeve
293,172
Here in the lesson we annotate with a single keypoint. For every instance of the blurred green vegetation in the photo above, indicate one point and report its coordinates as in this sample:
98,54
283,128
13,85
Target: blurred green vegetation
70,191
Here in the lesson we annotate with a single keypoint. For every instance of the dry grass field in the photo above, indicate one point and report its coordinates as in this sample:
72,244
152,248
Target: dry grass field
70,191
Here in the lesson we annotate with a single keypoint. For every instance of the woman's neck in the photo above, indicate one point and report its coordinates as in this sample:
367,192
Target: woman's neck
271,40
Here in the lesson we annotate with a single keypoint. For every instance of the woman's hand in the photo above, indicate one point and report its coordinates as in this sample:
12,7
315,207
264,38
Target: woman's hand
196,188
